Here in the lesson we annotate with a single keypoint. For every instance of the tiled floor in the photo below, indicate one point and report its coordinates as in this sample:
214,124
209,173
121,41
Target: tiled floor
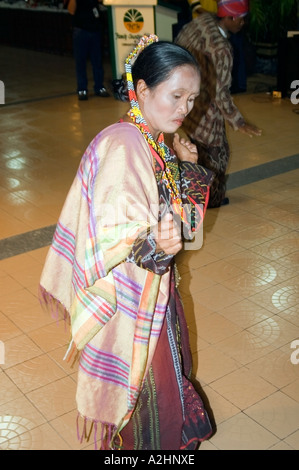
240,289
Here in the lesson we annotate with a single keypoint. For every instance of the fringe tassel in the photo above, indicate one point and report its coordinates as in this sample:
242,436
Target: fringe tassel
107,432
72,351
52,305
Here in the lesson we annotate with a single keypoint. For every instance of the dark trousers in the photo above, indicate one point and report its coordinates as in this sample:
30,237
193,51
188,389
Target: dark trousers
88,45
239,74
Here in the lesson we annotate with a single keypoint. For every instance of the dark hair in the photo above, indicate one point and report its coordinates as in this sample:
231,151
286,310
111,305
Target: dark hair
158,60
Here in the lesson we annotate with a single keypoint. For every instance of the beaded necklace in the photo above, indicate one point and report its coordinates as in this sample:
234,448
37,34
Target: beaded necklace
136,116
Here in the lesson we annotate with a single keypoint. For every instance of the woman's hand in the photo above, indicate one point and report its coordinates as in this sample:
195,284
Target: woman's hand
184,149
250,130
168,236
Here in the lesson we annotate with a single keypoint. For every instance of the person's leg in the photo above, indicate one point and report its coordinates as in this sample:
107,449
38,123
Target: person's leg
80,44
97,64
239,75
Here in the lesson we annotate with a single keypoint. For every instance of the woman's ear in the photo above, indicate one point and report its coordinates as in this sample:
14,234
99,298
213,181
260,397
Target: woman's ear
141,90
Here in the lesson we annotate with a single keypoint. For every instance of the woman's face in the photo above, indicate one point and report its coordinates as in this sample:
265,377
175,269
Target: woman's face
165,106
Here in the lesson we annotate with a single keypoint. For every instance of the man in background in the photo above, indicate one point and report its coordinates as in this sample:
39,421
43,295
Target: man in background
87,44
207,38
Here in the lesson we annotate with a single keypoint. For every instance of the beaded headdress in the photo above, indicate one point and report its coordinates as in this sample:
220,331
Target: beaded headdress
144,41
135,114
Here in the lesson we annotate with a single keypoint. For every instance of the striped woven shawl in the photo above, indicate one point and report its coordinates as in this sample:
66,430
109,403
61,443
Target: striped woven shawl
116,309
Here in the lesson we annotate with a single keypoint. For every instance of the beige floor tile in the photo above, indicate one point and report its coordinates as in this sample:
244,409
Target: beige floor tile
35,373
40,438
29,276
278,413
66,426
214,328
31,318
218,407
22,413
39,255
245,313
278,298
21,299
8,329
220,271
15,263
243,388
196,259
276,368
192,282
290,221
293,440
246,203
194,311
275,331
245,347
292,390
246,284
273,272
51,336
281,246
222,248
25,212
247,260
9,391
54,399
291,315
242,433
216,299
207,445
70,367
290,261
210,364
196,344
9,286
18,350
282,445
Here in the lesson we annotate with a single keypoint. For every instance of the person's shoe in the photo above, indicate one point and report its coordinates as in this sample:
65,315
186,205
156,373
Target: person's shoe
224,201
82,95
102,92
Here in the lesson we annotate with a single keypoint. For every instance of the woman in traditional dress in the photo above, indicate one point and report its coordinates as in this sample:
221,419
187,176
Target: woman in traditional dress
207,38
111,264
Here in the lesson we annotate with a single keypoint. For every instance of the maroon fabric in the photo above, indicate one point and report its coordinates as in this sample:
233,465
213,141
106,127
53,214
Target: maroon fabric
165,406
158,422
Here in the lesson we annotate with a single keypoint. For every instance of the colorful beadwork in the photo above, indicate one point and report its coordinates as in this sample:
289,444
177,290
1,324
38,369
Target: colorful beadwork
159,146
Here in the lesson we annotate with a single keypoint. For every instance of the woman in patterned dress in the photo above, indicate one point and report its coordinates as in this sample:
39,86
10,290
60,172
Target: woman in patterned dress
112,267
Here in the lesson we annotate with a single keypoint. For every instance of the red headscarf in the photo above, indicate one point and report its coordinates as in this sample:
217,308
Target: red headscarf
235,8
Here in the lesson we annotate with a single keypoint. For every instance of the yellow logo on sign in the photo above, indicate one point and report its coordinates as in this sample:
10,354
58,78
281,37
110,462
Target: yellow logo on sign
133,21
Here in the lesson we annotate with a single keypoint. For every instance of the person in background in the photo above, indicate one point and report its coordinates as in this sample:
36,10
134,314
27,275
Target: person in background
239,73
111,266
87,44
206,37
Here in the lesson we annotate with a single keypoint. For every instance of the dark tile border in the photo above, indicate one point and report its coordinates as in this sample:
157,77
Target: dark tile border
27,241
263,171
